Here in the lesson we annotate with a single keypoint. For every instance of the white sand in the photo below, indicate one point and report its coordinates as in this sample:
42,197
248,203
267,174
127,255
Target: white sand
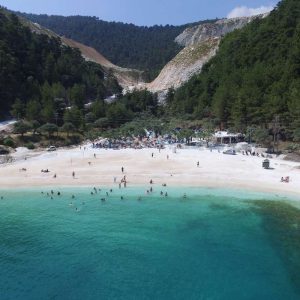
216,169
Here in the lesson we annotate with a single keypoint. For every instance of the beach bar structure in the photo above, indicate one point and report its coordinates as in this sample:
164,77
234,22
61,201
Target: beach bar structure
224,137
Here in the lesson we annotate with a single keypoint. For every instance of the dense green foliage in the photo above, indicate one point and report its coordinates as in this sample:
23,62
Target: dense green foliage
145,48
254,77
251,85
39,77
125,109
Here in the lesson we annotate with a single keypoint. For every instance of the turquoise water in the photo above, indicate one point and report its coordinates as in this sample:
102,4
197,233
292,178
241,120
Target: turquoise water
212,245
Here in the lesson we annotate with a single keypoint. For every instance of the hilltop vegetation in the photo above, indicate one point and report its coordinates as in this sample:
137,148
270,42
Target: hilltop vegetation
254,77
139,47
40,77
49,88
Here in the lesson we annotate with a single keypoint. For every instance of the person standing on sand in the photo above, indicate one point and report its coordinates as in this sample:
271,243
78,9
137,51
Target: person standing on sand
122,169
198,164
73,174
152,154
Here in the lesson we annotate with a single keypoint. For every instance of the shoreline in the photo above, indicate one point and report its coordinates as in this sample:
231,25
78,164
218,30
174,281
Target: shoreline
249,191
215,170
229,191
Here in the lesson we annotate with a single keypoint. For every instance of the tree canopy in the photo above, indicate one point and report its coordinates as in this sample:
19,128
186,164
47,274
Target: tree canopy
39,76
254,77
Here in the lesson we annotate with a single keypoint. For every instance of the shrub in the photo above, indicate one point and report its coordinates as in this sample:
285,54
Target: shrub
30,146
9,142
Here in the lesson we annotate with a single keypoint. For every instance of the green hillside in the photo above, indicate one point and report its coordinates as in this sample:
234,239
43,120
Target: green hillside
254,77
126,45
40,77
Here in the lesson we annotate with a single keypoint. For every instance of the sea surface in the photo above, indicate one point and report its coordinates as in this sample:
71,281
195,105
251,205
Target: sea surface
213,244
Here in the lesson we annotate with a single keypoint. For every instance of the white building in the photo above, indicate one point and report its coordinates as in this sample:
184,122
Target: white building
224,137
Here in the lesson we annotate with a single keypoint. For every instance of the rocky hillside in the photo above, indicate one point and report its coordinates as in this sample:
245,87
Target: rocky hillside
188,62
197,34
201,44
126,77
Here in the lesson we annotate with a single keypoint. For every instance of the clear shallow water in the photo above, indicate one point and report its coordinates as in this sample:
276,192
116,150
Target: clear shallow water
213,245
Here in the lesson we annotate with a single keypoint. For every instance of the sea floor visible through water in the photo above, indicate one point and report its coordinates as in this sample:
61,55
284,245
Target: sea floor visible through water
213,244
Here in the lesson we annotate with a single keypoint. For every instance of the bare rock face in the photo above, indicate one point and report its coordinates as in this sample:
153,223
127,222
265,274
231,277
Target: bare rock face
201,33
126,77
187,63
201,44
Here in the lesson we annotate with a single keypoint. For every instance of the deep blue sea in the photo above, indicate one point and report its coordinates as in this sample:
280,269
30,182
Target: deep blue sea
214,244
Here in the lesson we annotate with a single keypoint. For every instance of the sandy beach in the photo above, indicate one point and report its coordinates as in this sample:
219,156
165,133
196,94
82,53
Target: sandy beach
215,169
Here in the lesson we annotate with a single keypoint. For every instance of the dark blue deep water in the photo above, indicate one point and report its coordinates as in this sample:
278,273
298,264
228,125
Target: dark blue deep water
211,245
